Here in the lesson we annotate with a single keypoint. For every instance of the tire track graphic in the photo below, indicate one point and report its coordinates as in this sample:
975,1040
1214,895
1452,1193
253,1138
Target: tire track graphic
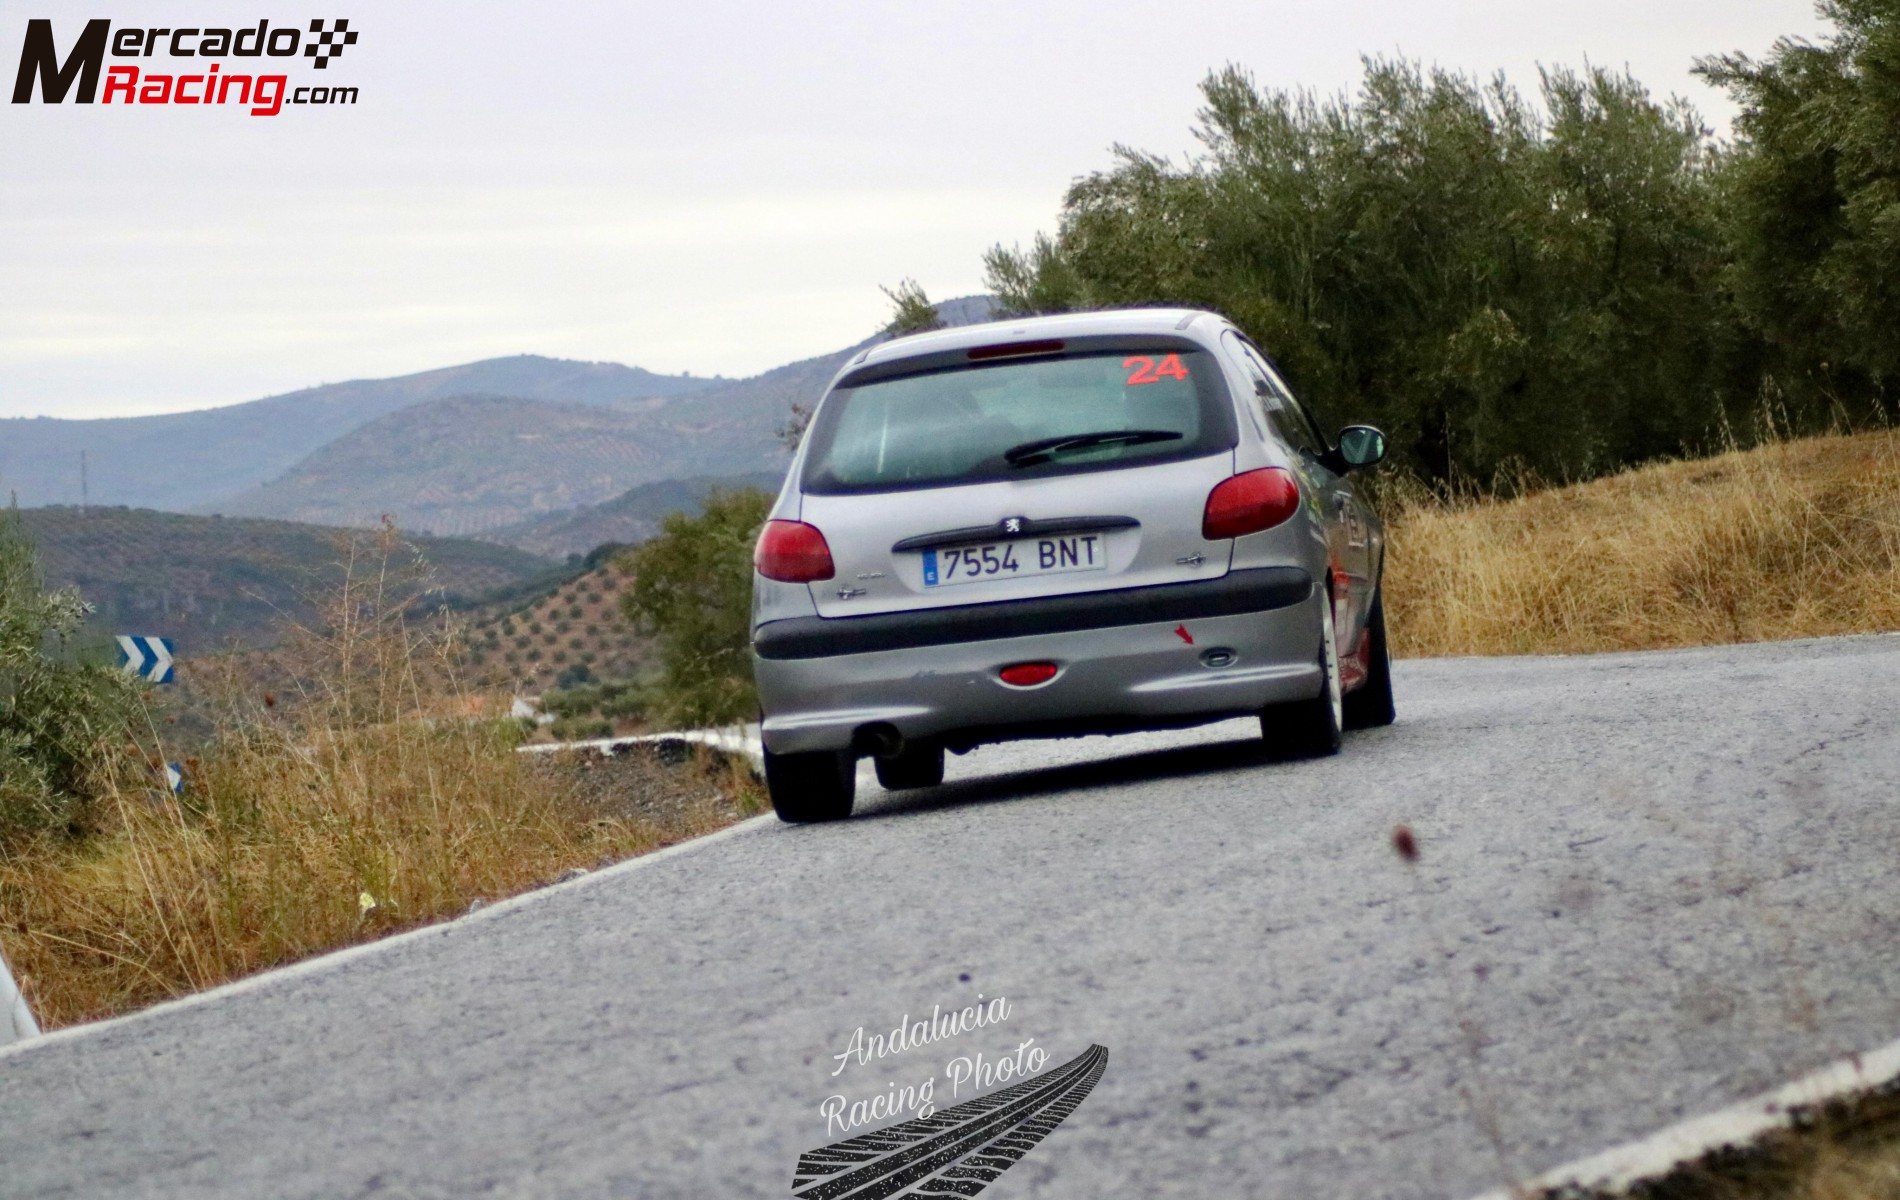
956,1152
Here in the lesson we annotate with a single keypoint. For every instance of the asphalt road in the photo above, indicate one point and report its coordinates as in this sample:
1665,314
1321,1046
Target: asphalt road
1650,885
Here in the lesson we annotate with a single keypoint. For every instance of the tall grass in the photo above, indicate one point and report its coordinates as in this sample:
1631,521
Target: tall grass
1792,539
377,792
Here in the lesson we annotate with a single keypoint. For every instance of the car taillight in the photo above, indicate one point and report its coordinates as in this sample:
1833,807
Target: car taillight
1249,503
1027,674
793,552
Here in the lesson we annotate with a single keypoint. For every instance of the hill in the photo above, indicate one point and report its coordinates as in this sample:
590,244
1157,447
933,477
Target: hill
467,465
569,634
212,582
343,453
474,463
628,519
189,460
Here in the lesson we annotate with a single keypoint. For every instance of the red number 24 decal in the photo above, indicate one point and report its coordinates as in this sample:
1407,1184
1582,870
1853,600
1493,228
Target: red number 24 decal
1150,371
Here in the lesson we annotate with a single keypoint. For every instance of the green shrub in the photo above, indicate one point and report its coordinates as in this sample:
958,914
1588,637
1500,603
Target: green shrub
59,716
570,702
580,729
692,591
622,702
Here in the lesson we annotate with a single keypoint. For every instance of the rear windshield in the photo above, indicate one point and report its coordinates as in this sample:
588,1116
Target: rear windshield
1020,419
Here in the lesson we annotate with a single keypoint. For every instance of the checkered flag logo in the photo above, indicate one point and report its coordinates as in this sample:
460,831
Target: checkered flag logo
329,43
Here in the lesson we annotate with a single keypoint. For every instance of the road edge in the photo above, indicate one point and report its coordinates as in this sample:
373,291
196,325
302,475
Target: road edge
1740,1124
334,959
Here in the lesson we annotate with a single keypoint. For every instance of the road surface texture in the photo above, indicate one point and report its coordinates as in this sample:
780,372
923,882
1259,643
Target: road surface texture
1649,885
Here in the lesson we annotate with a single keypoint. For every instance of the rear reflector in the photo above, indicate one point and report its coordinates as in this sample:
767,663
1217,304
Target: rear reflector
1014,349
793,552
1027,674
1249,503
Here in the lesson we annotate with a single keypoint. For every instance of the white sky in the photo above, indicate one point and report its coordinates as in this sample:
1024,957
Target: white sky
716,187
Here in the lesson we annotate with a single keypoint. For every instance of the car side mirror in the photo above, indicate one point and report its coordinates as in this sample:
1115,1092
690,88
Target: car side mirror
1361,446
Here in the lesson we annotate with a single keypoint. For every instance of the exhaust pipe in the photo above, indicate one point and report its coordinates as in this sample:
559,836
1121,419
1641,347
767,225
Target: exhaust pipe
881,740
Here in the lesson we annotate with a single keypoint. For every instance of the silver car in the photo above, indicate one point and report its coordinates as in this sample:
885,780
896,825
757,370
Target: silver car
1059,526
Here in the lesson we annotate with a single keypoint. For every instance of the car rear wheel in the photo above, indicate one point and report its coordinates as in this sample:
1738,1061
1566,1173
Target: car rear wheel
1310,728
918,765
1370,706
817,786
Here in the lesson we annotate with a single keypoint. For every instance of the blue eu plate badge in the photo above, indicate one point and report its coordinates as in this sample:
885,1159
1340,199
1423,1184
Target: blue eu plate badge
930,568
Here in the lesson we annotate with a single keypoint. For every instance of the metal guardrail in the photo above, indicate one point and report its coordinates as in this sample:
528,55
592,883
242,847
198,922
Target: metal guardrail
16,1019
734,739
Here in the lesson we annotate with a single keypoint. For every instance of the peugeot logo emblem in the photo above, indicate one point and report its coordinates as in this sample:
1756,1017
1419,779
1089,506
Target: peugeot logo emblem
1012,524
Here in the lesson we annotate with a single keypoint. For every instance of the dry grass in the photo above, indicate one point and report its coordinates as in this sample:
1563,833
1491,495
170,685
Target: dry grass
377,797
1795,539
1846,1150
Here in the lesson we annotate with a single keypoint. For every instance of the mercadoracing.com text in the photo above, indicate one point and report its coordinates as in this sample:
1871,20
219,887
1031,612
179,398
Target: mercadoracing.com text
265,94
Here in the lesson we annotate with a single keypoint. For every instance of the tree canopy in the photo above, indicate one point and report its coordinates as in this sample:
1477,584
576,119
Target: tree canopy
1561,286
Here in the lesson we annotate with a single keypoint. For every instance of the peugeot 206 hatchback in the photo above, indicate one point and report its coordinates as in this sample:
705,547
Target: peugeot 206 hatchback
1057,526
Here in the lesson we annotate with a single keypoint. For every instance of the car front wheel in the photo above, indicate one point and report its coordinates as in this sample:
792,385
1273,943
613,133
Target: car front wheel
816,786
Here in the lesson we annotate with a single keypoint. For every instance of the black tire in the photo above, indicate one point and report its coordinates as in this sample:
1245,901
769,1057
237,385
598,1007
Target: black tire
920,765
806,788
1310,728
1370,705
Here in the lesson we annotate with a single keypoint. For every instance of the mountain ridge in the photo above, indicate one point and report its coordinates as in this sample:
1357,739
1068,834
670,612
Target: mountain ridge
466,464
453,451
190,460
628,519
208,582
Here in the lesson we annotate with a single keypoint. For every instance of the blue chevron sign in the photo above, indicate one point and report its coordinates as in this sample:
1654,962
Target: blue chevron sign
150,657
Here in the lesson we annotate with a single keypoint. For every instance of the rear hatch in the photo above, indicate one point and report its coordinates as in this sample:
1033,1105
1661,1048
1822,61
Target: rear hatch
1079,470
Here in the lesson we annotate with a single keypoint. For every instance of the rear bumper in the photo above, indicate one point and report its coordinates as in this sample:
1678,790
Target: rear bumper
1232,594
1122,663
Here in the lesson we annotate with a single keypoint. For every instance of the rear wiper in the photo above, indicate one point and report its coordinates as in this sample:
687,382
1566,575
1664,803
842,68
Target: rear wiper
1043,449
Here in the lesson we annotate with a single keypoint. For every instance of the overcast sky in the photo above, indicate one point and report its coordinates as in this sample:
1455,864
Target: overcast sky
712,187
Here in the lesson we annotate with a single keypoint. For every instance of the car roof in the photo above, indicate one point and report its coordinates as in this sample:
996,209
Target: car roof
1109,322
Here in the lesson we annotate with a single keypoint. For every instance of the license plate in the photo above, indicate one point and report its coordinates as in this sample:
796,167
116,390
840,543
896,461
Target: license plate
1016,560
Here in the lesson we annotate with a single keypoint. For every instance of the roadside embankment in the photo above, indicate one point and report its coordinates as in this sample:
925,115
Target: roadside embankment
1790,540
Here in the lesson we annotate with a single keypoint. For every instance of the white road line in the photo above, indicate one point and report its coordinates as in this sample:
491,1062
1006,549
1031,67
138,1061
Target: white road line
336,958
1737,1125
16,1017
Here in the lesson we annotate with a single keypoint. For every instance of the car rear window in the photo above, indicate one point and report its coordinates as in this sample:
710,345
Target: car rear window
1020,419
